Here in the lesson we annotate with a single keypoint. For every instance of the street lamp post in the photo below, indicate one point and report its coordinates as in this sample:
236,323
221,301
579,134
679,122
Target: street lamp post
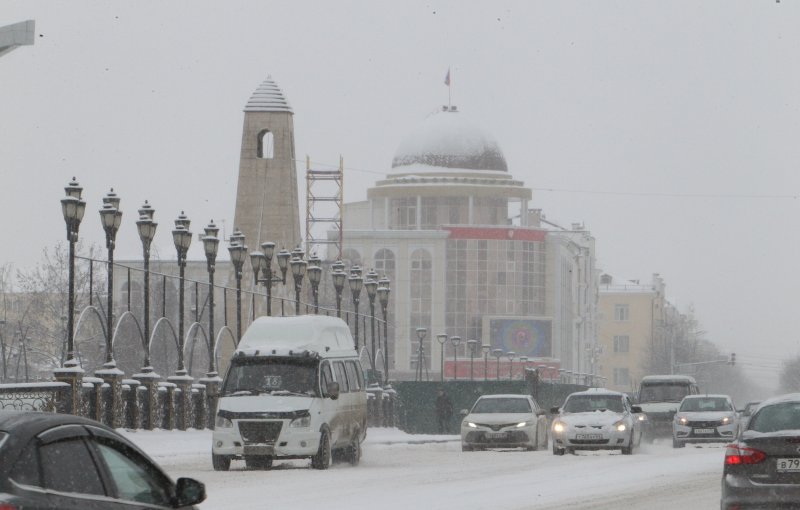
498,353
147,232
298,272
442,339
511,355
524,363
111,218
314,277
238,253
338,276
383,298
356,283
283,264
372,289
182,239
486,348
73,209
268,248
456,342
210,246
257,263
421,333
473,347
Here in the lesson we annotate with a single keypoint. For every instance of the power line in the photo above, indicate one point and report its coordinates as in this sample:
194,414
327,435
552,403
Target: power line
619,193
667,195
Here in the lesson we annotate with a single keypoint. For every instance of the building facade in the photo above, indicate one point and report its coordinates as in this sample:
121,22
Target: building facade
467,258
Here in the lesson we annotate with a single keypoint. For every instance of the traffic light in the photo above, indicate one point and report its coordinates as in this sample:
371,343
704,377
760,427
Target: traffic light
732,361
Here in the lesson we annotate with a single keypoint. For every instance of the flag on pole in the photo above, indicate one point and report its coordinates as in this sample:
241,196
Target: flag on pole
447,78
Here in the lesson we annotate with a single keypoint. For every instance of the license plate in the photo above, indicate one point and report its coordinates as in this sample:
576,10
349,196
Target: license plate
703,431
788,465
588,436
496,435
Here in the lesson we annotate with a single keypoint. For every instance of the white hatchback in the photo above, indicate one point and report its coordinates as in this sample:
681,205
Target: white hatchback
504,421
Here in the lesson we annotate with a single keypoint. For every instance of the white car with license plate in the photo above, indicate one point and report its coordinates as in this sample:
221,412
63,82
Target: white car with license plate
596,419
504,421
705,419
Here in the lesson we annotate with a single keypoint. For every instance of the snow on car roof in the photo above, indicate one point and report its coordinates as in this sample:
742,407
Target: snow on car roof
710,395
789,397
504,395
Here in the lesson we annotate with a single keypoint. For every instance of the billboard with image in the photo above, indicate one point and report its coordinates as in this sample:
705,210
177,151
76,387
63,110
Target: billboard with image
526,336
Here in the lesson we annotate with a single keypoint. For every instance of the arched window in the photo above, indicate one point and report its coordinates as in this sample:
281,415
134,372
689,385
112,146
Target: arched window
421,293
384,263
266,145
351,258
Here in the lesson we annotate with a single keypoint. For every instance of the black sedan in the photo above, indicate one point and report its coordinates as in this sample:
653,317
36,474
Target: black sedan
64,461
762,468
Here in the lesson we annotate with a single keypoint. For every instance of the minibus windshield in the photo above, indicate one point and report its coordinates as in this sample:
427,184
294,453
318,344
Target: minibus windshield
273,375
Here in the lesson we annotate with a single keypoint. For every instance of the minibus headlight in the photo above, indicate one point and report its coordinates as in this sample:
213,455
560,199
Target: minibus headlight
223,423
304,421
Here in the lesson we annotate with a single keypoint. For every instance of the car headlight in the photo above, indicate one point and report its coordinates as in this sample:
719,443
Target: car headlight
726,420
682,420
471,425
620,426
641,417
304,421
522,424
559,427
223,423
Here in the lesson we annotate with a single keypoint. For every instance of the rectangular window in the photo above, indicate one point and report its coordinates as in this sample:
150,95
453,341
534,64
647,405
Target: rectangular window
621,377
341,378
622,313
622,343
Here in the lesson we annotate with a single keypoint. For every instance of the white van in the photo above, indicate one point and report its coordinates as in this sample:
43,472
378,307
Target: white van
294,389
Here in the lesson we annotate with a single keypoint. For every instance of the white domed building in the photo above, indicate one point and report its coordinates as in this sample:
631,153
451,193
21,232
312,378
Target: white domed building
466,257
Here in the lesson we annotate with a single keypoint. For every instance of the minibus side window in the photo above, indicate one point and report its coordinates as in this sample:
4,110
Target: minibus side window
352,376
341,377
325,376
360,373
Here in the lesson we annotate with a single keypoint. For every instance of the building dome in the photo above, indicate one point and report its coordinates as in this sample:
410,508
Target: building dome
448,140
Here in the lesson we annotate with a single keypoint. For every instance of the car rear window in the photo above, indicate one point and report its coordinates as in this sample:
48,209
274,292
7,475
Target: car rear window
776,417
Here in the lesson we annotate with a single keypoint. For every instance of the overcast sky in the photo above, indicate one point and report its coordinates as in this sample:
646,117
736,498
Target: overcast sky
669,128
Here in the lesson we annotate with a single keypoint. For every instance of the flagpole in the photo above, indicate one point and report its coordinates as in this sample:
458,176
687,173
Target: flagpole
449,86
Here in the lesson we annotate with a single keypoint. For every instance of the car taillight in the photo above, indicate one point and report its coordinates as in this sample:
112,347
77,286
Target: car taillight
736,455
6,506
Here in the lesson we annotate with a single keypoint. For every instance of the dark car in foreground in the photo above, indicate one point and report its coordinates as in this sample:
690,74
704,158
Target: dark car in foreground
62,461
762,468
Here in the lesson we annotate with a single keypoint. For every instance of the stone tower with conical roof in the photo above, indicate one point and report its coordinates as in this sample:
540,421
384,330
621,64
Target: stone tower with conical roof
267,207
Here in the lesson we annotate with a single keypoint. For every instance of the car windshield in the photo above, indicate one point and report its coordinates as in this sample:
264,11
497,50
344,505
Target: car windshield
693,405
589,403
664,392
271,375
502,405
776,417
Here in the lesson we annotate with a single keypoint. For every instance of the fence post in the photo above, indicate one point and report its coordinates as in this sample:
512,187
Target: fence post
113,407
149,381
130,397
212,385
74,377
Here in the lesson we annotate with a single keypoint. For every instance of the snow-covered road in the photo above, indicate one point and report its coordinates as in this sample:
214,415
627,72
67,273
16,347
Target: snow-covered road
398,471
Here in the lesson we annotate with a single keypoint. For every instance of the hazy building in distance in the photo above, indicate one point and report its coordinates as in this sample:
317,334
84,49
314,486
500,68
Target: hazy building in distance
467,257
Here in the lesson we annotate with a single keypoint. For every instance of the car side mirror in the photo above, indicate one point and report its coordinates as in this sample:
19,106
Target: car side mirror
464,412
333,390
541,412
636,409
555,410
189,491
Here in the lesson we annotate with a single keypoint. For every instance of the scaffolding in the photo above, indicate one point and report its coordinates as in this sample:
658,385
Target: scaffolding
324,206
